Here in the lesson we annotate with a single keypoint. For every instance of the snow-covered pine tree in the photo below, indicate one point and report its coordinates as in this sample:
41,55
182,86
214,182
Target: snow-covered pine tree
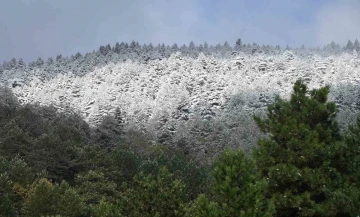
349,46
357,45
238,44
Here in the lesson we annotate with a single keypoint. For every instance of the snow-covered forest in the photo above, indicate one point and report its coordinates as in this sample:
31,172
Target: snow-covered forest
198,96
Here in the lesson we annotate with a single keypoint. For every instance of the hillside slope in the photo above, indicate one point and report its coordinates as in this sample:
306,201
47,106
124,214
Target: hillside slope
179,96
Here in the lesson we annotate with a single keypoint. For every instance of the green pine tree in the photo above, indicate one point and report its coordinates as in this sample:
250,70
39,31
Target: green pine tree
238,190
352,140
302,156
47,199
160,196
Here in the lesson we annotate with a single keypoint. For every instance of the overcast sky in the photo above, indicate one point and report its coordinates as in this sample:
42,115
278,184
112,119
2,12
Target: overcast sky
45,28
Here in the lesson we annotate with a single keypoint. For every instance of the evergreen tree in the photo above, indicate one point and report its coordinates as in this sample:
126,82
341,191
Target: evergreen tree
238,190
159,195
151,47
301,158
108,48
201,48
206,47
104,50
47,199
162,49
49,61
357,45
39,62
175,47
132,45
117,48
93,186
78,55
333,45
227,46
13,63
352,140
349,46
238,44
144,49
21,63
192,46
59,58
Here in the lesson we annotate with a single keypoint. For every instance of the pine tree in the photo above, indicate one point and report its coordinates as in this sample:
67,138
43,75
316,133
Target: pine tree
93,186
39,62
238,190
238,44
349,46
117,48
357,45
352,140
21,63
132,44
13,63
159,195
59,58
301,157
49,61
46,199
206,47
175,47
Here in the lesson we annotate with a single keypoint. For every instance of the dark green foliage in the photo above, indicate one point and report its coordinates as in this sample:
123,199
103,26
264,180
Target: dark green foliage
108,134
126,161
118,165
203,207
194,175
351,158
106,209
44,138
93,186
302,158
46,199
14,174
237,189
8,104
160,195
352,147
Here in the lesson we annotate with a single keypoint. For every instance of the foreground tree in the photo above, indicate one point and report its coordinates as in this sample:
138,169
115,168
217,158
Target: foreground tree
238,190
302,157
352,155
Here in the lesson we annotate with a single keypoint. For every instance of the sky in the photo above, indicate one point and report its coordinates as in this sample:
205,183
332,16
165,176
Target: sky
45,28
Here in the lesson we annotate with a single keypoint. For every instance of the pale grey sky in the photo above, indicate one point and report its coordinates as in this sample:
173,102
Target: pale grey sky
44,28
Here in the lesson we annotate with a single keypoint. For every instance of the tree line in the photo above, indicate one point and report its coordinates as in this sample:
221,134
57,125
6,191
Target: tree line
80,64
